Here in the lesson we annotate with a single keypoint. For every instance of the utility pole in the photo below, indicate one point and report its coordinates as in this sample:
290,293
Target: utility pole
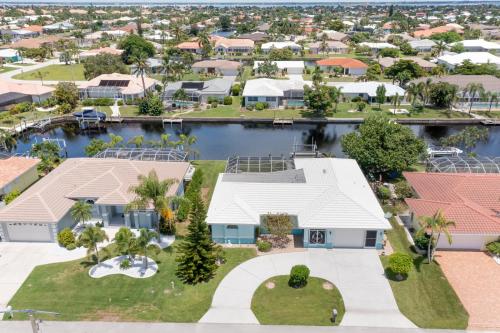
31,314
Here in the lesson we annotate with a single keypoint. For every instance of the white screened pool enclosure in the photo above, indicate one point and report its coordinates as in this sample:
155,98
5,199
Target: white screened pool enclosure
464,164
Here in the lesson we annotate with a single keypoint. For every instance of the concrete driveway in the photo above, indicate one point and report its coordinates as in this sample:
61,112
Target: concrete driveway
17,260
358,274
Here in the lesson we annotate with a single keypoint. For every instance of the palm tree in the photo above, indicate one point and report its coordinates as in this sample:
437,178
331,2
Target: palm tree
151,192
39,74
432,225
335,96
204,42
473,90
137,141
494,97
90,238
396,101
427,90
126,242
439,47
413,91
81,212
186,141
177,31
141,67
452,97
7,140
323,47
144,246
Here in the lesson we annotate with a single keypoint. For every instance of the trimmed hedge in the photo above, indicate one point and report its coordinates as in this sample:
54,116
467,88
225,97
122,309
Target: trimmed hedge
264,246
400,264
298,276
66,237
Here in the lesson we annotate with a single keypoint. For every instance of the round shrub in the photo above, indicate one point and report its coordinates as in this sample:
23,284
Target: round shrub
400,264
494,248
65,237
71,246
298,276
214,104
383,193
125,264
228,100
421,242
264,246
259,106
235,90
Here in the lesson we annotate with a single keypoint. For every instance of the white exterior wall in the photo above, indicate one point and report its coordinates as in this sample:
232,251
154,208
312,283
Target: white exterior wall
466,242
357,71
272,105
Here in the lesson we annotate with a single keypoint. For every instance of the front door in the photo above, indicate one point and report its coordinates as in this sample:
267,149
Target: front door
317,237
371,238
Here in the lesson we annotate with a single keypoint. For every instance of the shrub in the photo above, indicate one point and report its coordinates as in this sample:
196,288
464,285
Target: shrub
125,264
228,100
21,108
421,242
98,102
494,248
260,106
9,197
403,190
383,193
250,107
361,105
71,246
64,108
264,246
214,104
65,237
235,90
167,227
400,264
120,103
298,276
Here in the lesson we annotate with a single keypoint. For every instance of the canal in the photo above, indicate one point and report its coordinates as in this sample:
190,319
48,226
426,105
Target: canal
219,141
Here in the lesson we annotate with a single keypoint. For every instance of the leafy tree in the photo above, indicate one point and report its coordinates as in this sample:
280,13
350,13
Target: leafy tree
406,49
373,72
9,197
48,152
151,192
383,193
494,248
134,45
197,257
432,226
335,95
279,226
389,52
7,140
360,37
280,54
66,237
317,76
151,104
447,37
400,264
468,68
90,237
81,212
336,25
95,146
380,95
144,246
317,98
458,48
103,64
268,68
381,146
467,139
225,22
66,93
443,94
404,71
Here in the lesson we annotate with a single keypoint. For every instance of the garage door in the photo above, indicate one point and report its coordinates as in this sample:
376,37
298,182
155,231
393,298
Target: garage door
462,242
29,232
348,238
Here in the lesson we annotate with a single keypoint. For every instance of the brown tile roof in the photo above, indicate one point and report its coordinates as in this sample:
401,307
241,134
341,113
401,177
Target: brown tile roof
189,45
226,64
436,30
470,200
34,28
107,180
342,62
33,43
31,89
13,167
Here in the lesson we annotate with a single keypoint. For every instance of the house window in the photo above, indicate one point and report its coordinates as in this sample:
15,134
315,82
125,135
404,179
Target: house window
317,236
252,99
232,226
371,238
270,99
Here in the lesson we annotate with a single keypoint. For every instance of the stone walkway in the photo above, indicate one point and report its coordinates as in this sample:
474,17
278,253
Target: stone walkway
358,274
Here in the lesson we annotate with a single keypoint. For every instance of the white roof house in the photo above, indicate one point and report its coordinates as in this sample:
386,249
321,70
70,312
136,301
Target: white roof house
367,88
8,53
452,60
282,65
329,194
271,87
422,44
378,46
280,45
478,45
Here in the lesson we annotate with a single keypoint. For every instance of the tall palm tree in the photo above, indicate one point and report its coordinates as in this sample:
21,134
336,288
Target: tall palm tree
432,226
151,192
205,44
427,90
413,92
186,142
126,242
439,47
494,97
144,246
81,212
7,140
137,141
452,97
141,67
473,90
396,101
90,237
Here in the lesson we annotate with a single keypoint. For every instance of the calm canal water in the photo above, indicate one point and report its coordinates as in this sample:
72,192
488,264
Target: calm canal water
219,141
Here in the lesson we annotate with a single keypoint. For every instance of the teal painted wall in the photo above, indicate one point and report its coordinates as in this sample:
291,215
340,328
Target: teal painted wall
243,234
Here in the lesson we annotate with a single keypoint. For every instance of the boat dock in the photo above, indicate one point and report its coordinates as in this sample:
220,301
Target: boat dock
282,122
171,121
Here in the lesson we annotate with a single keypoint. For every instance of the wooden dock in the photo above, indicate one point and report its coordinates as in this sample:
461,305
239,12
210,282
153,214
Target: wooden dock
171,121
490,122
114,119
282,122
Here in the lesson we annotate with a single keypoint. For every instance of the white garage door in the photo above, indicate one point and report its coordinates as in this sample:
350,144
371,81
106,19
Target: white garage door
348,238
28,232
462,242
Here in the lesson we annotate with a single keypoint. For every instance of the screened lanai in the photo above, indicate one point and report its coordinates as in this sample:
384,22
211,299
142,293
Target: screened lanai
464,164
144,154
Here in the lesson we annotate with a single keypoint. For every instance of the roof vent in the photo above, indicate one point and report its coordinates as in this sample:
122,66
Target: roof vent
324,170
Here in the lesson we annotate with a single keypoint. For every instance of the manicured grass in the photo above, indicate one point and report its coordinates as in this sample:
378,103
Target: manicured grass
6,69
247,73
492,114
8,120
129,110
67,288
425,297
226,111
211,170
284,305
73,72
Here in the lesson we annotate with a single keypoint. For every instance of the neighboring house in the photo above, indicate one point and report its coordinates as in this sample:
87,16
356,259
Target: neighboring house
285,67
267,47
426,33
422,45
470,200
155,66
331,47
275,93
257,37
368,90
102,50
95,37
15,93
9,55
17,173
477,58
349,66
200,91
44,209
218,67
377,47
116,85
33,43
17,34
335,35
478,45
328,200
233,45
59,26
388,62
192,47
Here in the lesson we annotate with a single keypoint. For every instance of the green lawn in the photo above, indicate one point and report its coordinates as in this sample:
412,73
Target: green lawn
284,305
5,69
226,111
492,114
425,297
211,170
8,120
129,110
73,72
67,288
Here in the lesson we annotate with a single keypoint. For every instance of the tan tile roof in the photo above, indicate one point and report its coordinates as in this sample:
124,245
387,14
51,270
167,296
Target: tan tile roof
102,50
189,45
134,85
13,167
227,64
33,43
30,89
106,180
233,42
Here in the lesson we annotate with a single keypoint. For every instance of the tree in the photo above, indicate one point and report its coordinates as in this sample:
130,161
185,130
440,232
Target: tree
406,49
95,146
197,252
141,67
380,95
432,226
81,212
268,68
440,47
66,93
458,48
151,104
137,141
144,246
400,264
396,102
447,37
180,95
317,76
493,98
373,72
206,46
280,54
90,237
225,22
279,226
335,95
7,140
467,138
134,45
151,192
126,242
383,193
443,94
381,146
48,152
9,197
317,98
473,90
404,71
389,52
103,64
